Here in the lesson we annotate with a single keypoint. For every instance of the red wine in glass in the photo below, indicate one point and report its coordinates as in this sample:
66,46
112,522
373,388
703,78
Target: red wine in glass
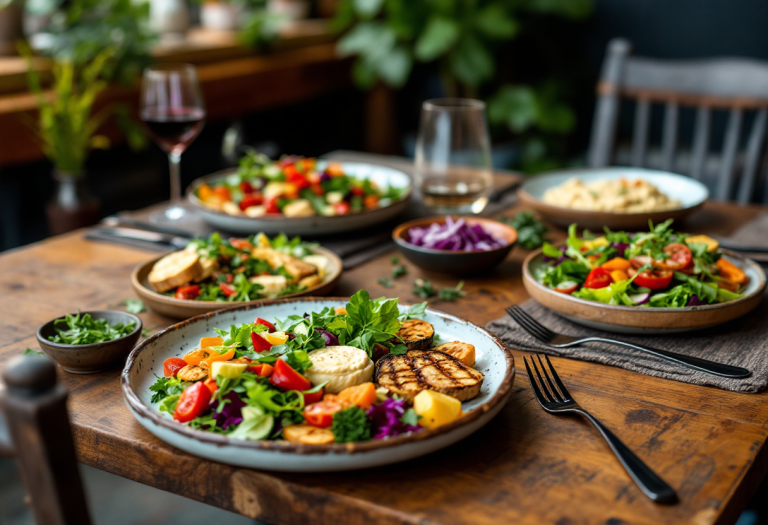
173,129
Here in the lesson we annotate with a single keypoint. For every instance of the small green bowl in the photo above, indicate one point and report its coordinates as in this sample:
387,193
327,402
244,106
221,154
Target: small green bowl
96,357
450,262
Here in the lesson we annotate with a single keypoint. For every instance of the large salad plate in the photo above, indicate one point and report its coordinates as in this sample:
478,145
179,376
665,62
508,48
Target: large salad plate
146,362
184,309
645,320
316,225
691,193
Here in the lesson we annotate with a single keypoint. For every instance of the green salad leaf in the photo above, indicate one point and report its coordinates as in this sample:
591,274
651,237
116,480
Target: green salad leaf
83,329
166,386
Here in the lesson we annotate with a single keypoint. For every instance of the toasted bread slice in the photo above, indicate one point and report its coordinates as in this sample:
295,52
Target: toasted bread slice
464,352
174,270
408,374
416,334
209,266
296,267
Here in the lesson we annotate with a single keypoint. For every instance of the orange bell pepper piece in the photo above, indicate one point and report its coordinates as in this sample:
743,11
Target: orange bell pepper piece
618,263
226,356
731,272
619,275
197,356
205,342
211,384
204,192
362,396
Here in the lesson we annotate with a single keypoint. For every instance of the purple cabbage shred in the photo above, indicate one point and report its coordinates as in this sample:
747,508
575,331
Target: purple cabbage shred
695,301
454,236
386,419
330,339
232,413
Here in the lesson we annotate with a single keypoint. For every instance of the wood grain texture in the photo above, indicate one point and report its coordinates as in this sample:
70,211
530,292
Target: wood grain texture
525,467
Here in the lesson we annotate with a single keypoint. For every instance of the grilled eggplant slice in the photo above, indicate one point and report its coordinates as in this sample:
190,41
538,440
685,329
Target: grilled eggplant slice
464,352
408,374
416,334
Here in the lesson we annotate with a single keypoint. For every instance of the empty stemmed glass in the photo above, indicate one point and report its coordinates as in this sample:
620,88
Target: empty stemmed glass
173,111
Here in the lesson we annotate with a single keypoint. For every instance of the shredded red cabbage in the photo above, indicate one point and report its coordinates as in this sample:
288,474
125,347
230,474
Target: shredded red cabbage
330,339
232,413
386,419
621,247
695,301
454,236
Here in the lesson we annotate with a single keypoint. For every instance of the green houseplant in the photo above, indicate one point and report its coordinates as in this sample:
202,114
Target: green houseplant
465,40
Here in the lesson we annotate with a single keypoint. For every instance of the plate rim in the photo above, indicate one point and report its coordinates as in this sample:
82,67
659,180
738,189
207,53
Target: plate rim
208,438
528,275
202,305
192,198
529,198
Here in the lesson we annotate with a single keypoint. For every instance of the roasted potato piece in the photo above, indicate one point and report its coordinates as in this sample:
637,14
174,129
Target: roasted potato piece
308,435
464,352
192,373
296,267
174,270
416,334
311,281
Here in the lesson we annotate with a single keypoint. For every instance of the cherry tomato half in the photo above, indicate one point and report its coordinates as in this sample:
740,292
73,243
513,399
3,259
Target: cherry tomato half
271,205
172,365
228,289
270,326
655,280
286,378
598,278
192,403
342,208
251,199
241,244
566,287
320,414
680,256
187,293
313,398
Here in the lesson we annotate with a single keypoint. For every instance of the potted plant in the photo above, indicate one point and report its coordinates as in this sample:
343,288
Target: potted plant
67,128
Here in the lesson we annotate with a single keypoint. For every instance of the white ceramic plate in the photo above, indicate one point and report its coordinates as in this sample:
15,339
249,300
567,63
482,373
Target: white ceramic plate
146,361
318,225
642,320
691,193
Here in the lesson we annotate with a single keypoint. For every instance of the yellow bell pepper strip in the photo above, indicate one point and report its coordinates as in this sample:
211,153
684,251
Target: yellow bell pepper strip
205,342
712,244
619,275
618,263
731,272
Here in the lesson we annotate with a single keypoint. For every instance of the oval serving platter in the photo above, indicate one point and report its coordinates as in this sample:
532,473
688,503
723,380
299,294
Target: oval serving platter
184,309
146,361
643,320
691,193
317,225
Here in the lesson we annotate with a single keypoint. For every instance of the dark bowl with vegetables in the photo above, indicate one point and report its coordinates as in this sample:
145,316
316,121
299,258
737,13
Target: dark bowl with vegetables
455,245
90,342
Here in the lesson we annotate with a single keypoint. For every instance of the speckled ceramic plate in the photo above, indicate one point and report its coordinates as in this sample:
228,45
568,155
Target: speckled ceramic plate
318,225
643,320
146,362
184,309
691,193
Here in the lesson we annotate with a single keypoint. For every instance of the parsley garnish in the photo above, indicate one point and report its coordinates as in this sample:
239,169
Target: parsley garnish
164,387
82,329
29,351
451,294
134,306
385,282
399,271
351,425
530,232
395,259
423,288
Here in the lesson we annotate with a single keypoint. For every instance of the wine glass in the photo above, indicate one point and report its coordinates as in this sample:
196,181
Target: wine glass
173,111
453,156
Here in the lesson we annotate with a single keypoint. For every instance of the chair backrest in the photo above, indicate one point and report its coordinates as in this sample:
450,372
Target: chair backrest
731,84
36,417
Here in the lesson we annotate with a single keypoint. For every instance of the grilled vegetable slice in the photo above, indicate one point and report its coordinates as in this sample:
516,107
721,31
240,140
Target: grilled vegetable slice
416,334
294,266
464,352
192,373
174,270
308,435
408,374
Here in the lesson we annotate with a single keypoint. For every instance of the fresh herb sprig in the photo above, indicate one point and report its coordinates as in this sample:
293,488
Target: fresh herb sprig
83,329
451,294
530,232
351,425
423,288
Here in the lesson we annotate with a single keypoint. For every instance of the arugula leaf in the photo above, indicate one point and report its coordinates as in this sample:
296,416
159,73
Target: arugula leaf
398,349
134,306
351,425
423,288
568,270
451,294
166,386
82,329
416,311
550,251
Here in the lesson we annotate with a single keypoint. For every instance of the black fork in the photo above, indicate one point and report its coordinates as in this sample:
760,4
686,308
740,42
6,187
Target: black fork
555,399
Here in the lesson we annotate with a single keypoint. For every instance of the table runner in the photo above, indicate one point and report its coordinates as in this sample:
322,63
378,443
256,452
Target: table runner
742,342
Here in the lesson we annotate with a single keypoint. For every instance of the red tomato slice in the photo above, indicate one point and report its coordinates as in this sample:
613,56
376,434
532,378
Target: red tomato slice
246,187
192,403
172,365
598,278
641,260
241,244
249,200
680,256
187,293
228,289
566,287
271,205
260,344
270,326
342,208
286,378
320,414
655,280
313,398
357,191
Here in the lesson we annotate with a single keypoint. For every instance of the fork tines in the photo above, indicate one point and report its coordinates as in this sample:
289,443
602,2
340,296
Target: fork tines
531,325
549,393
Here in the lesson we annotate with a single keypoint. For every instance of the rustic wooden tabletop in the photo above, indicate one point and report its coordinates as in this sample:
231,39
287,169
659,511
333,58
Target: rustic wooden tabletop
524,467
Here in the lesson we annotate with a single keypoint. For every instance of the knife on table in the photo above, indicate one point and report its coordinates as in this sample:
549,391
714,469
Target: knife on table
130,236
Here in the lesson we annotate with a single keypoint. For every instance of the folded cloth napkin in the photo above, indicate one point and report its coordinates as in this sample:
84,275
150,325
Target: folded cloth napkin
742,342
754,233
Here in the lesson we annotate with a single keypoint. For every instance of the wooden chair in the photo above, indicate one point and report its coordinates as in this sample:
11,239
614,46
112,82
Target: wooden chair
735,85
36,417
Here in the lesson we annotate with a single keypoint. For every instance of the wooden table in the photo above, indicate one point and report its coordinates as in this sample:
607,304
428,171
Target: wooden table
524,467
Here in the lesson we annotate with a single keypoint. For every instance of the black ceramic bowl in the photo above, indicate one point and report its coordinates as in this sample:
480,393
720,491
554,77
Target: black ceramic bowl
97,357
450,262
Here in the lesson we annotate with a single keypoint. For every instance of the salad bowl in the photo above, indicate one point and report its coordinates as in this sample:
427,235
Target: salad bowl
646,320
314,225
146,363
691,193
